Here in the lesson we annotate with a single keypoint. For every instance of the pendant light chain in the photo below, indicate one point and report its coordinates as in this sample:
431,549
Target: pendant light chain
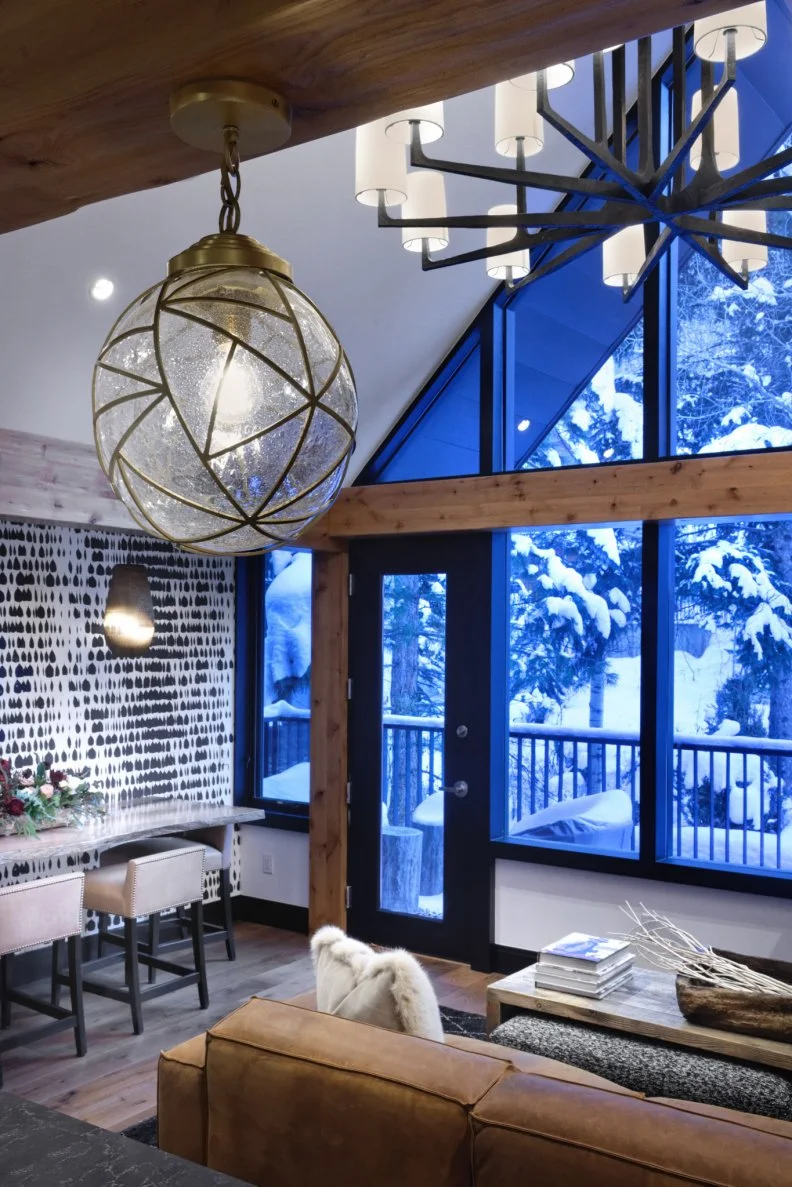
230,182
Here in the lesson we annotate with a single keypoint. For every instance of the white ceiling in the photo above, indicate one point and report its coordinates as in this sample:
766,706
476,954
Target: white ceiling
396,322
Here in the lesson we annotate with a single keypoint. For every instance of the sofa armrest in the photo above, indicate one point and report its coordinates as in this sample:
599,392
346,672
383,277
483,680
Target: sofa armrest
182,1112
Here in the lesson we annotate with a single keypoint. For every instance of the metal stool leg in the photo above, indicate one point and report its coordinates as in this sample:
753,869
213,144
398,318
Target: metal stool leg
154,942
228,919
5,985
196,916
133,974
76,993
55,988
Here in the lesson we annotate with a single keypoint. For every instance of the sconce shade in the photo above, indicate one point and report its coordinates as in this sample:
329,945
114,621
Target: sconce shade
425,199
726,126
745,257
380,164
750,32
623,256
516,117
129,616
224,407
513,265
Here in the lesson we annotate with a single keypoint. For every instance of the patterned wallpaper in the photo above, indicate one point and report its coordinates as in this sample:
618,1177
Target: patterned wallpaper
160,724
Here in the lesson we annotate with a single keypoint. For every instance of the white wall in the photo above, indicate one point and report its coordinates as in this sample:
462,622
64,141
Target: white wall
535,905
288,882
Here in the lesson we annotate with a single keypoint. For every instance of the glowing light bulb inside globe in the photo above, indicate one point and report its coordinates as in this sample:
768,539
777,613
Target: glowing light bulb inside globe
235,395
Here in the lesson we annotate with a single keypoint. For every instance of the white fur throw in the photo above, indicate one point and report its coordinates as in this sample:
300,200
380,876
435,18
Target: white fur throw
388,989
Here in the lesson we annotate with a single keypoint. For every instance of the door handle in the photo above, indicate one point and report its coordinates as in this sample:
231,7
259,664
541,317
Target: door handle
459,789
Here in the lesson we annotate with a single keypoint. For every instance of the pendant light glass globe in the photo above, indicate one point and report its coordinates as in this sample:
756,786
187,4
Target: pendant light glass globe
224,406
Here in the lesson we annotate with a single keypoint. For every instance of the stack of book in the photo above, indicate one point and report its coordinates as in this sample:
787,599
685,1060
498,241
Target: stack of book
592,966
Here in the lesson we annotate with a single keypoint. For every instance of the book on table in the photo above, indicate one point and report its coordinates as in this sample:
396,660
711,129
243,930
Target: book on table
590,989
585,953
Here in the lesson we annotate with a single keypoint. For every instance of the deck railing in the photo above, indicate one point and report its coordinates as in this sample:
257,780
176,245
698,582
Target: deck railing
727,797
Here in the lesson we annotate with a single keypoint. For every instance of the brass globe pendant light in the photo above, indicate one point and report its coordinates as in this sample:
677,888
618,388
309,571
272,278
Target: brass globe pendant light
224,406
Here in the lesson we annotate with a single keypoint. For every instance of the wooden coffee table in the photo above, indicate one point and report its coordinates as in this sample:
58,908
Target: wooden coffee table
646,1007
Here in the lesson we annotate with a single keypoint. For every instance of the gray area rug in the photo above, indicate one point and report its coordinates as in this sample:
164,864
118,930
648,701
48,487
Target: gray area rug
656,1069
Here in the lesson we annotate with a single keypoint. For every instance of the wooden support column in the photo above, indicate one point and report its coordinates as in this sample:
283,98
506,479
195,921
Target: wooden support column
329,675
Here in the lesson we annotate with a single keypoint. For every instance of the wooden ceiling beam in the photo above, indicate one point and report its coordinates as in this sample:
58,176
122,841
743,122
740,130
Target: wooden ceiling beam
742,484
84,84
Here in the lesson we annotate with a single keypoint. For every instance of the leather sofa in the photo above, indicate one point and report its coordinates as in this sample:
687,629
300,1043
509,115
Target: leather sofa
280,1095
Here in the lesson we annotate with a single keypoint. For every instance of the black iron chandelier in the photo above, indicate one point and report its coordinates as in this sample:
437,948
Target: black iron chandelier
634,208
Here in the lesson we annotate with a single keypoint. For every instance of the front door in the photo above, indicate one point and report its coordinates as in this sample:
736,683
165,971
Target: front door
419,744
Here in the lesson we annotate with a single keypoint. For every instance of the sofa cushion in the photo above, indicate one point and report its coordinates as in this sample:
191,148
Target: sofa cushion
570,1134
387,989
181,1100
301,1097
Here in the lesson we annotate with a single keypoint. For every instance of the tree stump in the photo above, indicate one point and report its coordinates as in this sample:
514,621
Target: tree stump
432,859
400,877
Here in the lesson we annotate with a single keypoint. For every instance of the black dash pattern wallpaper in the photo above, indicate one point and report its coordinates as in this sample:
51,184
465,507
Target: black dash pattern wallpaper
159,724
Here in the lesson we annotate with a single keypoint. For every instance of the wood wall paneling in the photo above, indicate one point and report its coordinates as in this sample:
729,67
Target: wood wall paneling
329,674
750,484
84,101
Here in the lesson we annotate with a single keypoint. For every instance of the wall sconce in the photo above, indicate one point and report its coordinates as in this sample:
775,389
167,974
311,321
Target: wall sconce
129,615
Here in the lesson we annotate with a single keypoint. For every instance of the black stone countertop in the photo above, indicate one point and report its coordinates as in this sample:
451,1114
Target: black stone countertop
42,1148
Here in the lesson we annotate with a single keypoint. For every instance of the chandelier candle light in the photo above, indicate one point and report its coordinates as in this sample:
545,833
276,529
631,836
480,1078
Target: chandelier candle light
632,207
224,406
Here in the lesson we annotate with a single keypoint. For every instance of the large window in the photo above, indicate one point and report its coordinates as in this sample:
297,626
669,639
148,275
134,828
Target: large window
575,688
286,675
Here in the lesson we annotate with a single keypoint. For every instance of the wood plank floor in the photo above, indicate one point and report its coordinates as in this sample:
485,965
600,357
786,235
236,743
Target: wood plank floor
115,1084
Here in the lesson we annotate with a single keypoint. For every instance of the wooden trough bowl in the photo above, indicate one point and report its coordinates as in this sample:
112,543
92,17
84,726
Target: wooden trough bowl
759,1014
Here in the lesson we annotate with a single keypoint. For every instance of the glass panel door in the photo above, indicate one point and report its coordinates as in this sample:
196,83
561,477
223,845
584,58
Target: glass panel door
419,743
412,834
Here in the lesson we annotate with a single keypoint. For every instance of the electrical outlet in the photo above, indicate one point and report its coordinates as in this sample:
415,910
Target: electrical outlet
267,864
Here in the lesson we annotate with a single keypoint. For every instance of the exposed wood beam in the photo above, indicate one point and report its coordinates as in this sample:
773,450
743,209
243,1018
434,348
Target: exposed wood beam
56,482
329,671
748,484
85,83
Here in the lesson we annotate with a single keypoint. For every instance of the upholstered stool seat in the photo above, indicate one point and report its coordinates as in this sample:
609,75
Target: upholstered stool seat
217,845
132,883
32,914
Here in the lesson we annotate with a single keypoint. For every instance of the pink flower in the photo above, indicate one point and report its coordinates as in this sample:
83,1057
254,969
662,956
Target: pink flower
47,792
26,781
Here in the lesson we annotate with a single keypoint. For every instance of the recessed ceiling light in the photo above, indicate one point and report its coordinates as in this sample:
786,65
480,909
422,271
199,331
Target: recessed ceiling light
102,288
523,425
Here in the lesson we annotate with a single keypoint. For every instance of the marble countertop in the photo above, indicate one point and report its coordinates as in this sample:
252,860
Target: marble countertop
42,1148
153,818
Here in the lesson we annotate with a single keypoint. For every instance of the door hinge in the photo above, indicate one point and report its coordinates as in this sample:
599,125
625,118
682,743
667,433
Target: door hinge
348,898
349,689
351,584
349,793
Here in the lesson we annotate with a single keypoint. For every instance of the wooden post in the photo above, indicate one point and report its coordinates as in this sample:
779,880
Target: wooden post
329,674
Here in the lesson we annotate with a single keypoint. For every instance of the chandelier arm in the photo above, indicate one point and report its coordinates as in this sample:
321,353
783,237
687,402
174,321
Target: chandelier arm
682,146
573,252
781,202
598,154
655,254
619,102
700,226
679,102
588,186
711,253
739,183
607,216
775,190
646,158
541,239
600,99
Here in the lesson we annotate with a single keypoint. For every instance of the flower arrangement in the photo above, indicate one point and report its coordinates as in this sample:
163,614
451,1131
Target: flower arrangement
40,797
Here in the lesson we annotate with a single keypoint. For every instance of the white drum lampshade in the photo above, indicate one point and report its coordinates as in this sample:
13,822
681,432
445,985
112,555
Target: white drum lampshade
380,165
512,265
430,117
726,125
557,76
425,199
623,256
745,257
516,118
750,32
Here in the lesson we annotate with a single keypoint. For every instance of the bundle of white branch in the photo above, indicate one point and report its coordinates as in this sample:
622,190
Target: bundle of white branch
670,947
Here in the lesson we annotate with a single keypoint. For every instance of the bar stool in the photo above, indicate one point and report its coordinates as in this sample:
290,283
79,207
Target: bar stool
217,845
47,911
141,886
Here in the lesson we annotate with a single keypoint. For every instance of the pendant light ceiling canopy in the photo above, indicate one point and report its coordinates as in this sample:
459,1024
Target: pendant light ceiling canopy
629,203
224,406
